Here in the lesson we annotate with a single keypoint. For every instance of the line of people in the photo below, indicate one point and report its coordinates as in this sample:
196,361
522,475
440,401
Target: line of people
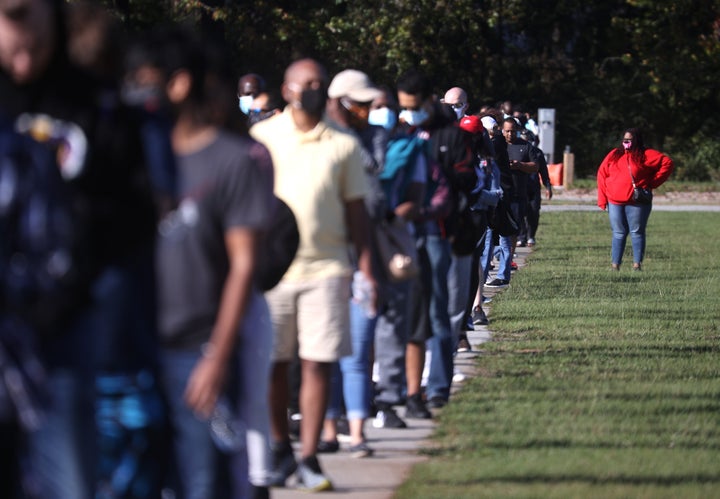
414,150
167,367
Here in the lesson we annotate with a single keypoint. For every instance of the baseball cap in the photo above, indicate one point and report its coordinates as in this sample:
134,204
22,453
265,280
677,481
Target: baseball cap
488,122
471,124
354,84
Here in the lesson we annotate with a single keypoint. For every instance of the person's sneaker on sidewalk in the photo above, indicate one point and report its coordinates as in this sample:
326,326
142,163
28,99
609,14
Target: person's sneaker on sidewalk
284,463
437,402
386,417
479,318
497,283
464,344
486,299
328,446
360,451
415,408
310,477
513,266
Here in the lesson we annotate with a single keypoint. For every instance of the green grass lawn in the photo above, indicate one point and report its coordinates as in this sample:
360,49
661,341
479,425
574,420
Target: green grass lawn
597,383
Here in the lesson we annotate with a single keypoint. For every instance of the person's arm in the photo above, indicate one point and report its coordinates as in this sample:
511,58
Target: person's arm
524,166
208,375
410,208
601,176
539,158
663,173
358,224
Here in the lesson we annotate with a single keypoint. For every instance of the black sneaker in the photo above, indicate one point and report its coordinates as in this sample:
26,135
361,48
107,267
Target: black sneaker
437,403
463,345
284,464
386,417
328,446
497,283
415,408
479,318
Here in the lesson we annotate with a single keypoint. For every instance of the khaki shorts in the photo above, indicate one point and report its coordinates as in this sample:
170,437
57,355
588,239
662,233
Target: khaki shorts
312,316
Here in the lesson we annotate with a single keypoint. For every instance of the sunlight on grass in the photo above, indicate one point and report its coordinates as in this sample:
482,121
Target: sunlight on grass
596,383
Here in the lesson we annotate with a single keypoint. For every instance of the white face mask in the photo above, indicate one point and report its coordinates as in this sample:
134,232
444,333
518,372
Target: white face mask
414,118
383,117
459,113
245,103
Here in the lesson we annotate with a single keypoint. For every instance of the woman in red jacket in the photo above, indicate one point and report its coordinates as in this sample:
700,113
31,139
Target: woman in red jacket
622,170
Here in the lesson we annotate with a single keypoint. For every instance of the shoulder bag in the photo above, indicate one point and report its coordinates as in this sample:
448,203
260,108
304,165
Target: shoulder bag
640,194
397,250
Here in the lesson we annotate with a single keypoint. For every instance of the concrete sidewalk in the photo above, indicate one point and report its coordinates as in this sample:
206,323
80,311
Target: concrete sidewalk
396,450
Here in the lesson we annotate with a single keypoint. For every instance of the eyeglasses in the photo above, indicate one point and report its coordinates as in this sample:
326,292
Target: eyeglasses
627,141
458,105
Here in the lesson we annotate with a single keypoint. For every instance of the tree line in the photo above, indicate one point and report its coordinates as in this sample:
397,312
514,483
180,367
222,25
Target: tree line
604,65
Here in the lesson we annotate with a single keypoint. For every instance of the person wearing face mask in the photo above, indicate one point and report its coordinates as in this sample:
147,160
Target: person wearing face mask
350,95
264,106
320,174
249,87
103,327
449,152
456,98
629,166
383,111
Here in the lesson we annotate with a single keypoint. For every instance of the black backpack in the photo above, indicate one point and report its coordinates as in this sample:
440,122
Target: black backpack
278,247
453,148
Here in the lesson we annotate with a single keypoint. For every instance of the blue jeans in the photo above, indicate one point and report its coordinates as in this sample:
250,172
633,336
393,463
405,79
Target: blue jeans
197,459
61,452
204,472
440,344
353,378
632,219
392,331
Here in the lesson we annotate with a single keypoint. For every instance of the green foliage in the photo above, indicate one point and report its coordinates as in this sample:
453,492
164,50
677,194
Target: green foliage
603,65
597,383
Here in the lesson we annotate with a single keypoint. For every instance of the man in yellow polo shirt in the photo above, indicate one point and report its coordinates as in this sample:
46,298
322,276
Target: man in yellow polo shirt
319,173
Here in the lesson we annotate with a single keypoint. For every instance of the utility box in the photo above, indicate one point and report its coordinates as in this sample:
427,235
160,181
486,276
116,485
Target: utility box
546,123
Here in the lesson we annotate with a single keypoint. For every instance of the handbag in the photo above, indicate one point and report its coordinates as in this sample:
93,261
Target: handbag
640,195
397,250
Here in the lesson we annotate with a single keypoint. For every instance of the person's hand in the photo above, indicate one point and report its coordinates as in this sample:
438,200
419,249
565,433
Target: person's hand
549,193
373,289
204,385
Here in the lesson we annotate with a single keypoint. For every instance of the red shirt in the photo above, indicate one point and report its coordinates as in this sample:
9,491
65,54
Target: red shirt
613,177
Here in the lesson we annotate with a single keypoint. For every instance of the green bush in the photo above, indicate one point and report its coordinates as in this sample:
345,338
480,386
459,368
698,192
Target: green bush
699,162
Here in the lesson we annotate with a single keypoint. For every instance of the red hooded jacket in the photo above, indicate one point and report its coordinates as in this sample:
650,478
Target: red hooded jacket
614,181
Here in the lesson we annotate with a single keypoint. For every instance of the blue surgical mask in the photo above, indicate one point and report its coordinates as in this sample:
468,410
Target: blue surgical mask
384,117
414,118
245,103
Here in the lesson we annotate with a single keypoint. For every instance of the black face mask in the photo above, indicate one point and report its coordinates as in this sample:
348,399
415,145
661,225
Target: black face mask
312,101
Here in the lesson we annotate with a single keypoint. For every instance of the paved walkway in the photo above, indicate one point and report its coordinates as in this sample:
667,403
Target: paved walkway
396,450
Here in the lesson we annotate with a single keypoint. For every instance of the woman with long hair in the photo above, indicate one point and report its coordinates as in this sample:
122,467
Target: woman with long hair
625,180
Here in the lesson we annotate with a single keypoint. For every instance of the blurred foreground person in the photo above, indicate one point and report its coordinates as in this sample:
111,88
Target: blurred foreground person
628,169
90,303
214,321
